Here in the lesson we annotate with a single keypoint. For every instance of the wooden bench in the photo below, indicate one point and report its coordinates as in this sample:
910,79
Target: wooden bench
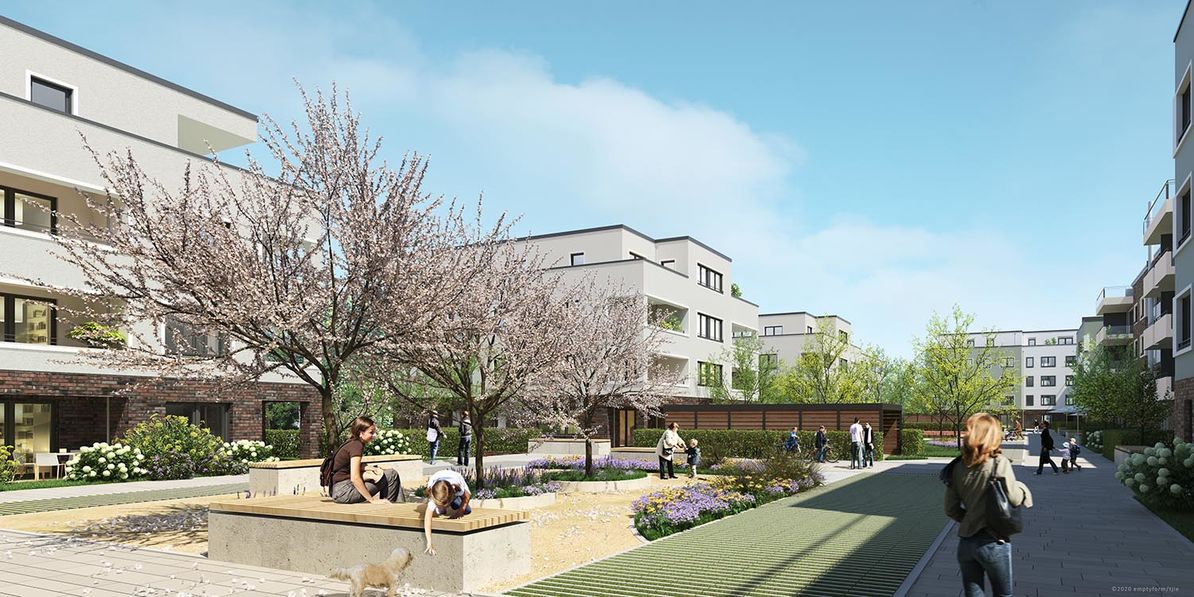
315,535
300,477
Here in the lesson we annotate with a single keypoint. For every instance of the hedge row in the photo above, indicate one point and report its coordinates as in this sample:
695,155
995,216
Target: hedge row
928,426
498,440
284,441
1130,437
912,442
718,444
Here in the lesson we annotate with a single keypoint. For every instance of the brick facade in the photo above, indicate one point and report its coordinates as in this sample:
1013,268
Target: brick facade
86,406
1183,408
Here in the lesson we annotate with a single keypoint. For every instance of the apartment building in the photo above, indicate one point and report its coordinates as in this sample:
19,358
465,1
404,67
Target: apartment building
51,91
1045,360
786,335
1182,415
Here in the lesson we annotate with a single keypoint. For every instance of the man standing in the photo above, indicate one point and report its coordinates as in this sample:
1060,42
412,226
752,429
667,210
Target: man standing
856,444
868,446
466,439
434,433
1046,447
821,442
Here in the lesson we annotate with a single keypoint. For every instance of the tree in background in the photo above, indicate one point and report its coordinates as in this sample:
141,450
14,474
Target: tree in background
1110,385
822,374
959,376
754,375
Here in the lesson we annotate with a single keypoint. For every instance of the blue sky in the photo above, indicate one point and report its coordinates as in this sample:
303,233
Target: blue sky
877,160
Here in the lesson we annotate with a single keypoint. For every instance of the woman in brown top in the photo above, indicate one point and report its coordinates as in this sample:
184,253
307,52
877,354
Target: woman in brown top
348,481
979,551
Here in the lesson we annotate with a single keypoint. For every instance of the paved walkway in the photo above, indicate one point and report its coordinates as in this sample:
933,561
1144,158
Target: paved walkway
1085,535
860,535
21,495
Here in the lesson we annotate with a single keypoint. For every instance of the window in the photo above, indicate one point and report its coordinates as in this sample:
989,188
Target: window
577,259
1032,341
1028,362
990,342
1183,333
1065,339
1028,400
1069,381
668,263
773,330
708,278
1009,362
1070,360
1183,208
809,330
28,320
1048,381
708,374
1048,361
843,335
1184,112
1028,381
183,339
710,327
29,211
216,417
768,361
1048,400
970,343
844,364
49,95
1009,400
31,430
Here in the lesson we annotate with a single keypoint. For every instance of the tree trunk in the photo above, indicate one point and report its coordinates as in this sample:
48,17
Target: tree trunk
479,437
589,458
331,423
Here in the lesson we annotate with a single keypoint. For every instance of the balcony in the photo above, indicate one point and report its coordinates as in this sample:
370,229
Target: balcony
1160,333
1114,299
1114,335
1159,277
1159,218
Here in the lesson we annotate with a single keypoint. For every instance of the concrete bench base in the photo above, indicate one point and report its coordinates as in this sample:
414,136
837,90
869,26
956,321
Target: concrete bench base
605,486
641,454
301,477
561,446
526,502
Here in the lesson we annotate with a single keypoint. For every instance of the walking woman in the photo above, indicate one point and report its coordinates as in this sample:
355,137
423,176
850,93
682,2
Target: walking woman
669,442
980,552
351,482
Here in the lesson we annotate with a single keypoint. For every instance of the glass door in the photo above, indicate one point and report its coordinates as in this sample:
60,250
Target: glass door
29,427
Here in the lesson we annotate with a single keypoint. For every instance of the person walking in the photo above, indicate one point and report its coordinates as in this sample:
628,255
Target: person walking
434,433
856,444
1046,447
868,446
669,442
466,439
820,442
1019,430
981,554
1075,450
792,443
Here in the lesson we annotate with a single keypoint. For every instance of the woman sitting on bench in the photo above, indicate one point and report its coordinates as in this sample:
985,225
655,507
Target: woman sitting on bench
352,483
447,495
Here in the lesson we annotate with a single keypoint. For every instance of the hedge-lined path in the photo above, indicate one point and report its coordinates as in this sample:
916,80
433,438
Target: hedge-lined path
859,535
26,501
1085,535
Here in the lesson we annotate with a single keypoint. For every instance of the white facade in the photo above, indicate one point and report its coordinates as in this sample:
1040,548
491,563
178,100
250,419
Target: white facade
679,275
785,335
1045,359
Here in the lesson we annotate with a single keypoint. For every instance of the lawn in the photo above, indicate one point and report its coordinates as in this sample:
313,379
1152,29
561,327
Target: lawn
1183,522
41,484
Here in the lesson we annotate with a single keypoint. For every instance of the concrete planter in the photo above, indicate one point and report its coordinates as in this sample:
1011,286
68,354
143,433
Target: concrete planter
548,446
640,454
527,502
604,486
300,477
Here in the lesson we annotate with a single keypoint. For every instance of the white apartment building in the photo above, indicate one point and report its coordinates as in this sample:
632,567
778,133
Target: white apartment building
785,335
51,91
1046,360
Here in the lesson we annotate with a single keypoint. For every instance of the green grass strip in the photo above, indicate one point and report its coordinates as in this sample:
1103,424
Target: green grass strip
113,499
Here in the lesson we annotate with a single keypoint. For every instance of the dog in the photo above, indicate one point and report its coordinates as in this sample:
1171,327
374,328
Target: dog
383,576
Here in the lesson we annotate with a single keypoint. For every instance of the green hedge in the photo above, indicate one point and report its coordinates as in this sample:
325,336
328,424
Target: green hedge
284,441
912,442
718,444
506,440
1130,437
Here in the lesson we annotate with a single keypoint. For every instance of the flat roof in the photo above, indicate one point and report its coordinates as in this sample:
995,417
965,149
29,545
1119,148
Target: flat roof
805,313
120,65
630,230
1181,20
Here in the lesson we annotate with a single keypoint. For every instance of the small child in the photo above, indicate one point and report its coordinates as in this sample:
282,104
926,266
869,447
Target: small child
694,457
1064,450
1075,450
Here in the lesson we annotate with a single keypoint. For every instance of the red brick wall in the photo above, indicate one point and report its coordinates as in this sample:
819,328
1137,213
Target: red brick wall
1183,408
80,403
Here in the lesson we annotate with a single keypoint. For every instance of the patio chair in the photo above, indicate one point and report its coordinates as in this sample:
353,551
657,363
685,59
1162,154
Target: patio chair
47,459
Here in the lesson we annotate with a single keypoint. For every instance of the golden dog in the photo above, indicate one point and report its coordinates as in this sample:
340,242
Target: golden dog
383,576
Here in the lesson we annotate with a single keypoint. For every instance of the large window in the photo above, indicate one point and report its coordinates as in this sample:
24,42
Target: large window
710,327
1028,362
28,428
1048,400
1048,381
1065,339
708,278
768,361
216,417
28,320
183,339
773,330
1048,361
51,95
29,211
708,374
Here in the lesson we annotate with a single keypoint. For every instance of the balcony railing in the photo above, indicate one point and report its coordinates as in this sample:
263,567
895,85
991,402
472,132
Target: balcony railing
1157,205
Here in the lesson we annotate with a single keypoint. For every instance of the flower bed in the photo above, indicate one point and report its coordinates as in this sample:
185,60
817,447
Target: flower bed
603,474
577,463
106,462
501,483
1163,476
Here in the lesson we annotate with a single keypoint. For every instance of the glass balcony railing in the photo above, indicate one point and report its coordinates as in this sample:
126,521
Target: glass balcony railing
1157,205
1114,292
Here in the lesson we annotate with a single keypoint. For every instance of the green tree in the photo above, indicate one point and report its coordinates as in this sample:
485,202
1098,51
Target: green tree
1110,385
960,376
753,373
822,373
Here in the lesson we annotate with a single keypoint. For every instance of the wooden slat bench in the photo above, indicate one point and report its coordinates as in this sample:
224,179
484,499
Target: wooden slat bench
300,477
314,534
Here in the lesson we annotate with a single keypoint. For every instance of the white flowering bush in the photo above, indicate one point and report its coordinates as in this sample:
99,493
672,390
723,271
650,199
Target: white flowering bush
1094,441
238,454
388,441
1162,476
104,462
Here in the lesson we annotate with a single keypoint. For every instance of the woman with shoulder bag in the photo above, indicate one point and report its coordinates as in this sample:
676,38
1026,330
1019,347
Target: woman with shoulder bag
665,449
982,551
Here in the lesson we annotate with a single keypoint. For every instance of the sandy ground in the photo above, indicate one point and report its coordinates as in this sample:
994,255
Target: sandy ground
181,525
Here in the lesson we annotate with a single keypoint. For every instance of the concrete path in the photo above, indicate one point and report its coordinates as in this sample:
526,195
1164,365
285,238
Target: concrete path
21,495
1086,535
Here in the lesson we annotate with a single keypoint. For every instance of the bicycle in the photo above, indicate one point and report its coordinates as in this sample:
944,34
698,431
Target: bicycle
829,457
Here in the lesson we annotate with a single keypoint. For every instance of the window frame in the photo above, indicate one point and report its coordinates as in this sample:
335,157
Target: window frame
1181,328
72,91
668,263
8,208
1182,110
706,275
1032,341
1029,381
8,334
767,330
1048,399
1029,400
702,318
1048,381
704,368
1071,360
1048,361
1029,362
572,262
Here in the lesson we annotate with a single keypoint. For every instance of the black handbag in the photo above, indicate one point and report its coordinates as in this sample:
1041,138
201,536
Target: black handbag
1003,519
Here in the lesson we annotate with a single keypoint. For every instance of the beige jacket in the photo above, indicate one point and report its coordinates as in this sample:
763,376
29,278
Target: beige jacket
964,497
669,439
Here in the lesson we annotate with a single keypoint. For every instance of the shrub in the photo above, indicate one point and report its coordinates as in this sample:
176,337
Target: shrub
164,467
102,461
1094,441
249,450
1128,437
98,335
719,444
1163,476
8,466
168,434
504,440
912,442
782,470
284,441
390,441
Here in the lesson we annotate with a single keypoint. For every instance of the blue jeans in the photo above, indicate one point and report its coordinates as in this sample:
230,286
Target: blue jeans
455,505
821,453
868,458
462,450
434,449
983,555
855,455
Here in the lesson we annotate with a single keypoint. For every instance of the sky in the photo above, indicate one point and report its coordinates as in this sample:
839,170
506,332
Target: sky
875,160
